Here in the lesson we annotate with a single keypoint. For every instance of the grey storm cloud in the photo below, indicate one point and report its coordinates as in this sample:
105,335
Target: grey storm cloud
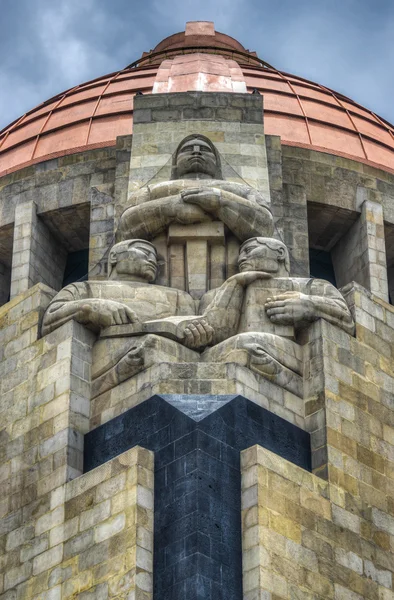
49,46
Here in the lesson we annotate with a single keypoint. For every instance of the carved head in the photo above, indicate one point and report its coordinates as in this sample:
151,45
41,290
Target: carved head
196,158
133,260
264,254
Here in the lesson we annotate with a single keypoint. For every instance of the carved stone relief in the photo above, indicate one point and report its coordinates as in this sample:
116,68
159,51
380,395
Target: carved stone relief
198,216
251,319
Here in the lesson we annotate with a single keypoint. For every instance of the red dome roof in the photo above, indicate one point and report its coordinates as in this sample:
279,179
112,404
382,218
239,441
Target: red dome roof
93,114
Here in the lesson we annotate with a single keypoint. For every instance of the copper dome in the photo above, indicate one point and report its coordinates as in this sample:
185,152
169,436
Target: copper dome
93,114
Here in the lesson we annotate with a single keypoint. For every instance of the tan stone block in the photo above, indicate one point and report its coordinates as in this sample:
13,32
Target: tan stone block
273,501
251,579
250,497
144,538
17,575
283,486
315,503
274,583
90,518
285,527
49,520
251,537
263,516
109,528
48,559
63,532
250,477
145,517
255,557
250,517
111,487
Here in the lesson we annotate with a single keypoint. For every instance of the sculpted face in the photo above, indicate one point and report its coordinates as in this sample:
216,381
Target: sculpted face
196,156
134,260
268,256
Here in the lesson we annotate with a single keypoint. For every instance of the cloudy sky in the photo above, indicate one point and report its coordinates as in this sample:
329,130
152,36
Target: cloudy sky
47,46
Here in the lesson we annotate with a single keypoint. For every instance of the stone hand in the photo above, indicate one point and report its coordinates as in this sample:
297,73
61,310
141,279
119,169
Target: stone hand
248,277
131,363
207,199
290,308
261,361
198,334
103,313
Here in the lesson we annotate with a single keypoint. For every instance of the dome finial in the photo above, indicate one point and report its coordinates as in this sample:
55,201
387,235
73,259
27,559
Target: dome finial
200,28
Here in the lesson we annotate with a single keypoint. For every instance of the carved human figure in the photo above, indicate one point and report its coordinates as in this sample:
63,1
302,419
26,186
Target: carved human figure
270,309
197,193
251,319
127,298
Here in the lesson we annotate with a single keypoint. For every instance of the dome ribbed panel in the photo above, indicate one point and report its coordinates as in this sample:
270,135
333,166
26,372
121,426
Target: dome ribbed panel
93,114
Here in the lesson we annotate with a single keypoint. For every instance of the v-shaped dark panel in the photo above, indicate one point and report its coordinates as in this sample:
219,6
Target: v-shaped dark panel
197,536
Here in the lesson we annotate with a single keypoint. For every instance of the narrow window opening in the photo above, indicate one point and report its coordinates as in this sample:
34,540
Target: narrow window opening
321,266
77,265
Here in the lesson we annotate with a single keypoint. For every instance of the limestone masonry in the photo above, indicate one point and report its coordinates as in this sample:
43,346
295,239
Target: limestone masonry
197,336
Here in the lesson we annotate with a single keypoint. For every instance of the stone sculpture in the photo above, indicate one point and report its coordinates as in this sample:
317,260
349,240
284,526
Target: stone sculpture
128,298
196,194
270,309
252,319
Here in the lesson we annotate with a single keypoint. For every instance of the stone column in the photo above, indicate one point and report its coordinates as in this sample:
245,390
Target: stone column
294,224
101,232
204,255
361,254
36,256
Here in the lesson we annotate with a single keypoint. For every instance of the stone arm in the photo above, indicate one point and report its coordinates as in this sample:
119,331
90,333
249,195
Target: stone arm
96,314
321,300
243,216
241,208
331,306
155,209
224,311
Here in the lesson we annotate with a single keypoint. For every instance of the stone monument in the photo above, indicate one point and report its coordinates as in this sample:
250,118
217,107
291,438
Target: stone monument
196,336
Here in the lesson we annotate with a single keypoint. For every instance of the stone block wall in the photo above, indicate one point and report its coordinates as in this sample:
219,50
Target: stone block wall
92,539
101,233
52,196
57,183
349,391
37,255
326,535
91,536
336,189
305,538
361,254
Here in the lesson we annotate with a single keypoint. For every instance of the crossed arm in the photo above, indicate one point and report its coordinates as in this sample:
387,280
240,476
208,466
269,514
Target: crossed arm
164,204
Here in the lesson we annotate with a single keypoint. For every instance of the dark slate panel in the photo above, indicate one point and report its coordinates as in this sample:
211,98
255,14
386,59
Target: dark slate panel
197,547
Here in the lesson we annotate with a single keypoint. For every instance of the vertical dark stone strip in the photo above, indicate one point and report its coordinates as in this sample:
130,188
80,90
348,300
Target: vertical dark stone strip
197,536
